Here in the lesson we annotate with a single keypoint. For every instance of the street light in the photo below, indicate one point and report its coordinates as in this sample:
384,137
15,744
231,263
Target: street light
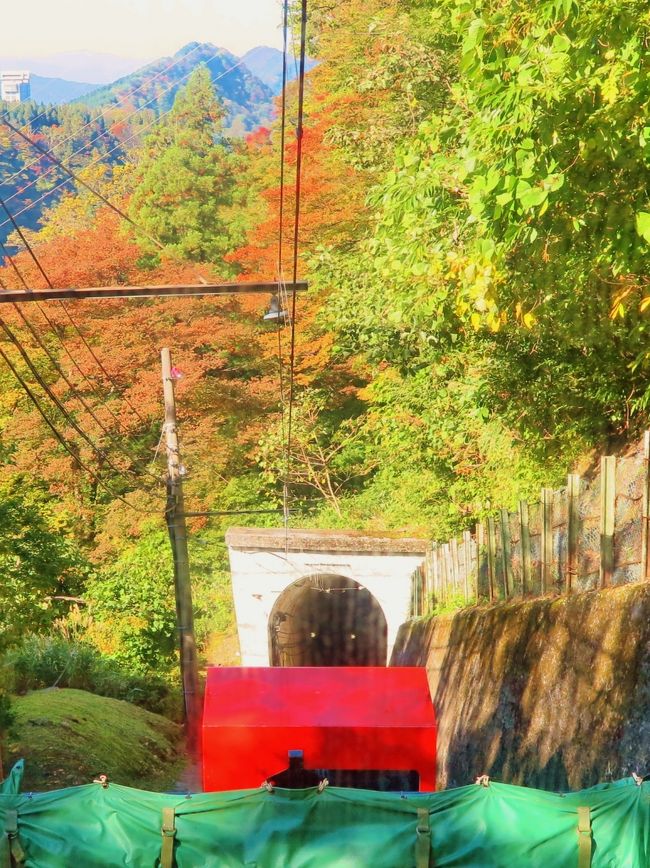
276,313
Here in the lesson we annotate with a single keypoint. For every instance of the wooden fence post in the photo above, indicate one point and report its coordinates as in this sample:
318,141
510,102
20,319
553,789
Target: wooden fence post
492,557
449,576
436,572
573,523
480,555
607,518
506,553
455,566
467,549
423,585
524,529
645,521
547,539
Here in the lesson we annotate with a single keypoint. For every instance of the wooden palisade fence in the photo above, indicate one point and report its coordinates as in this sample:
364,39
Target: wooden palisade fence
593,533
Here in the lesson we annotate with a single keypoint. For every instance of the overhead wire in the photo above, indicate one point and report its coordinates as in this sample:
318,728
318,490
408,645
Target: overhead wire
296,223
281,285
65,308
109,108
61,439
91,382
76,394
48,153
101,453
116,147
57,367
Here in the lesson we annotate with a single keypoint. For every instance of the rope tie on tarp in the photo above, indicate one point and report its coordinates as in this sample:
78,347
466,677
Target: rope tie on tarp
584,838
168,832
423,840
13,853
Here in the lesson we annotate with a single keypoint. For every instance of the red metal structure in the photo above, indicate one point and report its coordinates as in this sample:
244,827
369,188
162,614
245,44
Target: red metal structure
345,719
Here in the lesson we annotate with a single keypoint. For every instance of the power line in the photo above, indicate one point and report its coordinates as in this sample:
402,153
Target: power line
59,404
107,109
47,153
92,383
117,147
64,306
283,125
61,439
77,395
296,224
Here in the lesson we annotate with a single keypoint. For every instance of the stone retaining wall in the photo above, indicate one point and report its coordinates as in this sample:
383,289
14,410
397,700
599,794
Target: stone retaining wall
550,692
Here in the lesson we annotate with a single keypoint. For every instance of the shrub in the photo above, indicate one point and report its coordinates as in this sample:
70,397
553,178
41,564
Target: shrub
41,662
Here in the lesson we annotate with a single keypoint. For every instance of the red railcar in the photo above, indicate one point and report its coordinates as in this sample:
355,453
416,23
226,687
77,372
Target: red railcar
363,726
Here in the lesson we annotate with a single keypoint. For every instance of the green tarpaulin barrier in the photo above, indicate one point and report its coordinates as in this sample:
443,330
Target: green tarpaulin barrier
479,826
12,783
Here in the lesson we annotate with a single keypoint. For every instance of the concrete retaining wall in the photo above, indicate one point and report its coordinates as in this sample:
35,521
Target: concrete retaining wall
553,693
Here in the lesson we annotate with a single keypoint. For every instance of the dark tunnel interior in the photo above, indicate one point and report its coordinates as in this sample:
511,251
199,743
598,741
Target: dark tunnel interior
327,620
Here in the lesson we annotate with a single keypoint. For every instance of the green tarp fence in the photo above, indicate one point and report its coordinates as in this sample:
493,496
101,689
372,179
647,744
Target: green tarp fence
479,826
12,783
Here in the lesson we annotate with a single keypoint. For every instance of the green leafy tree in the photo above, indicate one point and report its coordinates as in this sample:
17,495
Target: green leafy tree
39,565
132,605
187,192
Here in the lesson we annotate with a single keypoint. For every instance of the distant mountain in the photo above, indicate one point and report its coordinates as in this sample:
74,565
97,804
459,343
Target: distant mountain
79,66
248,101
266,64
55,91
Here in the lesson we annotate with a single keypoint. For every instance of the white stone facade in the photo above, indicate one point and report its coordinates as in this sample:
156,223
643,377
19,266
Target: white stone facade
264,564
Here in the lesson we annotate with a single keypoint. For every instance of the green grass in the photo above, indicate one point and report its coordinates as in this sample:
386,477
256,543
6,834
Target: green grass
68,737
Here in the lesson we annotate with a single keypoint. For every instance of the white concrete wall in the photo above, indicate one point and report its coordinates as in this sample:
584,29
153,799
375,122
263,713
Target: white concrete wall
259,577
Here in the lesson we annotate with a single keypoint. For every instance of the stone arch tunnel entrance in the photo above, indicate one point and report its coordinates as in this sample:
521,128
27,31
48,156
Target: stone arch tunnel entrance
281,578
327,620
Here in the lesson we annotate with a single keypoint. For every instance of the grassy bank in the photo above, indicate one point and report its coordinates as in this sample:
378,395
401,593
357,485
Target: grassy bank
69,737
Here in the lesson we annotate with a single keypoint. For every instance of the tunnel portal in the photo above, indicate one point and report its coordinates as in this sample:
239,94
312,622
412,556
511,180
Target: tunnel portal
327,620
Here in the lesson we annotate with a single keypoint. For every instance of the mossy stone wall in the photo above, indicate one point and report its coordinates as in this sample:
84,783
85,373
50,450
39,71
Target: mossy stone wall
550,692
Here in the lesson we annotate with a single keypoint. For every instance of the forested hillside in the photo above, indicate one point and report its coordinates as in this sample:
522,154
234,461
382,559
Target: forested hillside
103,131
246,99
476,234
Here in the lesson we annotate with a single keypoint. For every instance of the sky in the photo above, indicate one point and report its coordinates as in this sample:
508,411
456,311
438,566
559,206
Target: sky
140,29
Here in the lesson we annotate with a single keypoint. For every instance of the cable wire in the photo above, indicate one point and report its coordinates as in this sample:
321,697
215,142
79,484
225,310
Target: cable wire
108,109
65,308
76,394
60,405
47,153
92,383
61,439
296,224
281,286
112,150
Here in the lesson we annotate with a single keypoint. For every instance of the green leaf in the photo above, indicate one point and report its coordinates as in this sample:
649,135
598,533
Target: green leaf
533,197
561,43
475,33
643,225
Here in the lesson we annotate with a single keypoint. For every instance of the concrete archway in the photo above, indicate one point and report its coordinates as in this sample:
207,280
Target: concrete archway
327,620
267,562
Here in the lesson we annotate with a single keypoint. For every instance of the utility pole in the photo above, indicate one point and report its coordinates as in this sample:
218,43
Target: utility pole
175,517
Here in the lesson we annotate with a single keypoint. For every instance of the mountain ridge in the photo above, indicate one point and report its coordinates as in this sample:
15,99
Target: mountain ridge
247,100
265,63
51,90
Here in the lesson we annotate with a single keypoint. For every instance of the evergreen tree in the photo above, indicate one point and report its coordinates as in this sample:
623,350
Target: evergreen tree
188,176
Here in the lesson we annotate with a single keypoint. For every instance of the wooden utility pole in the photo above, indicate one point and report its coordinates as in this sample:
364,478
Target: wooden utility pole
175,517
